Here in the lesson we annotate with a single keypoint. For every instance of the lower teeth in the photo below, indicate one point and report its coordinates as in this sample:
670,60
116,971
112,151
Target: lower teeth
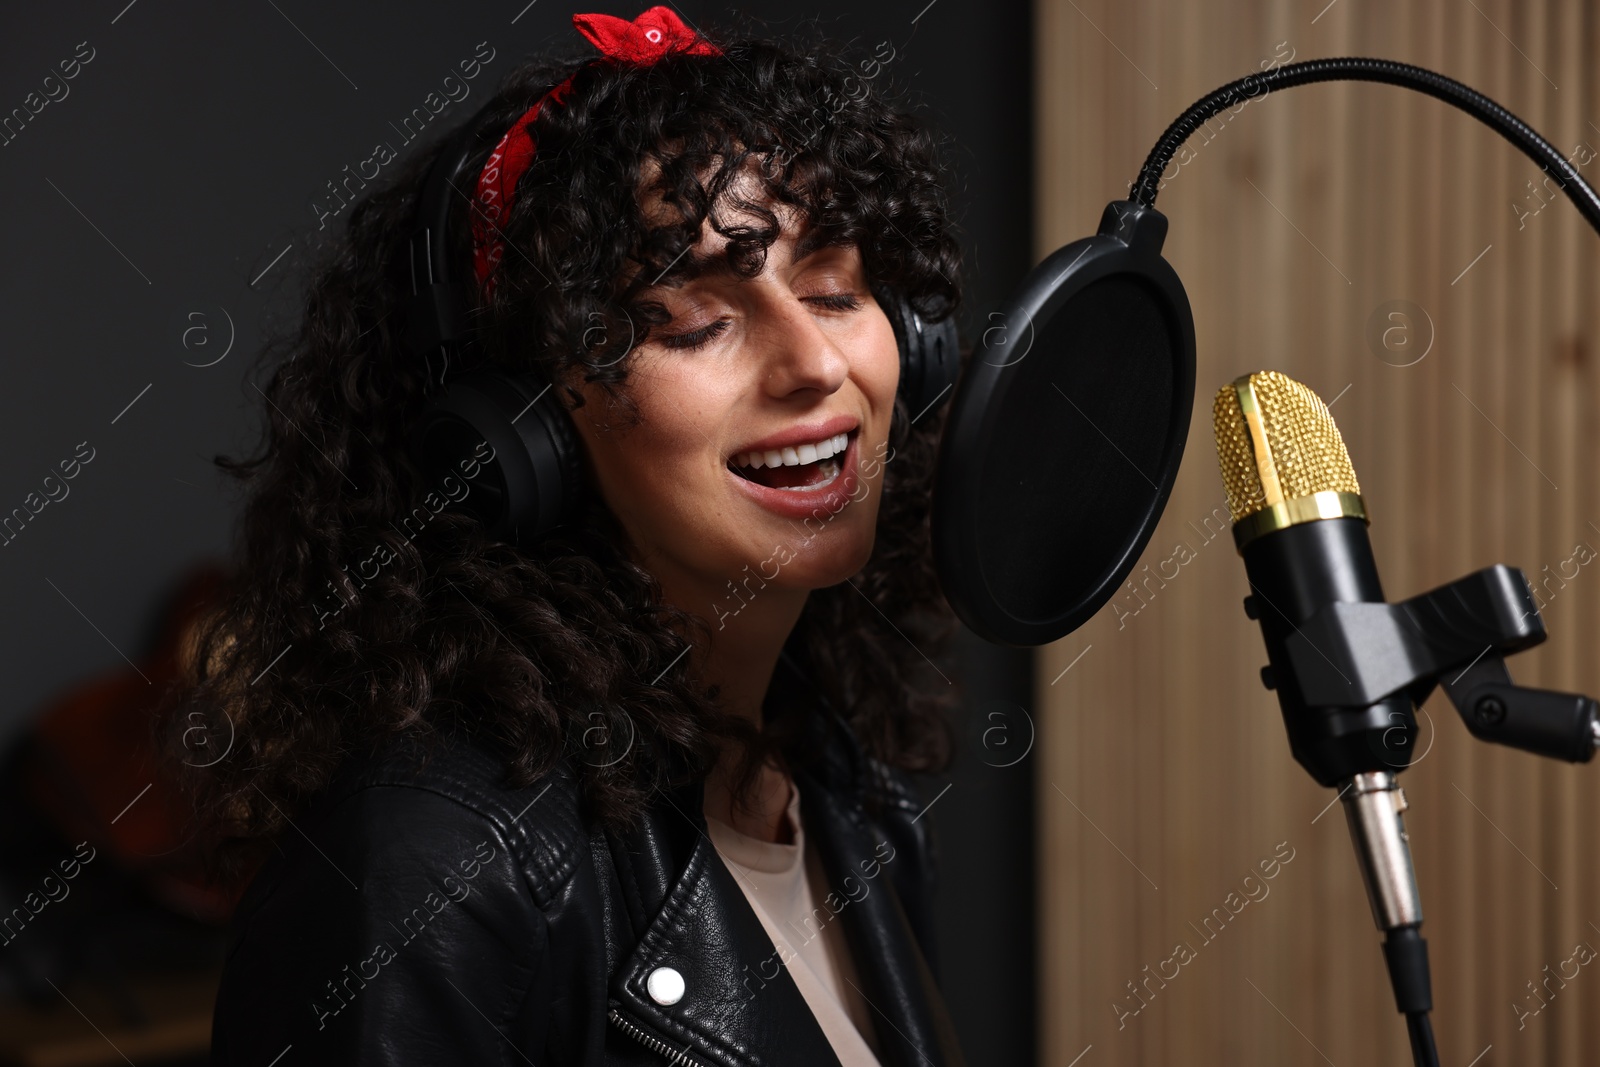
830,471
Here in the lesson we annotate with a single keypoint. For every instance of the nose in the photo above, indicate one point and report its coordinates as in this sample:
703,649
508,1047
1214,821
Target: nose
799,353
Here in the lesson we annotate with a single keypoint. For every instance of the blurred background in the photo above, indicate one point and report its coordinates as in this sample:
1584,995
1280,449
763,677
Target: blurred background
165,174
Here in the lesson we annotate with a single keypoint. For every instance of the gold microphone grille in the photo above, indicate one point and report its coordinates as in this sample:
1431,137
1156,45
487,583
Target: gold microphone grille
1235,456
1289,449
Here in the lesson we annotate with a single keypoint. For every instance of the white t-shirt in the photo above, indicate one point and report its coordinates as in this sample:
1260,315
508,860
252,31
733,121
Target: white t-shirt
783,884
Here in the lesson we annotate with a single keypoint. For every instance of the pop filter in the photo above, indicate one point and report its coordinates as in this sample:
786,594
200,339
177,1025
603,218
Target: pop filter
1065,435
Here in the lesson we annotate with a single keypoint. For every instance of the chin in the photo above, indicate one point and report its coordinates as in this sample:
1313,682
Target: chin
826,562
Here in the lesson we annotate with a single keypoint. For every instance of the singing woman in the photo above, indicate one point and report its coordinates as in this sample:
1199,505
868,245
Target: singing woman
637,790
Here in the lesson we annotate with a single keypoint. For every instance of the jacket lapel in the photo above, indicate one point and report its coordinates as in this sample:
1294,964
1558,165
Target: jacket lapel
739,1008
832,769
908,1013
742,1012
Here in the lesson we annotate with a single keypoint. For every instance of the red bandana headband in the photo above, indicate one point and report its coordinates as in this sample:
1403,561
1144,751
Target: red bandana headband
643,41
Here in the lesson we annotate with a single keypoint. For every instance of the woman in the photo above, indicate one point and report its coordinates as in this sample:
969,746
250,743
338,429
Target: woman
635,792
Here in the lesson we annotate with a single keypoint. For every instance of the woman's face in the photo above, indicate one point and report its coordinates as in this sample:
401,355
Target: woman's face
799,355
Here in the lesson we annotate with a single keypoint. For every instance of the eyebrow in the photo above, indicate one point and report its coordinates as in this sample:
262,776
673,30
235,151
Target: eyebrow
691,266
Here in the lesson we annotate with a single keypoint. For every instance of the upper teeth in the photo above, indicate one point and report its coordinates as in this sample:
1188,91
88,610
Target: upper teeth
794,456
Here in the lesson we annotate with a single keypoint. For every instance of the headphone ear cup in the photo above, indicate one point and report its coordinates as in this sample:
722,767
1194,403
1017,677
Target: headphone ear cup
930,357
508,437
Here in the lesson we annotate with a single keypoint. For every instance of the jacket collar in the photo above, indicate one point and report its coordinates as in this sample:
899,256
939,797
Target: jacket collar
694,918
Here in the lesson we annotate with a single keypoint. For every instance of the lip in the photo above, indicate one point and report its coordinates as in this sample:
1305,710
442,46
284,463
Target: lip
823,503
801,435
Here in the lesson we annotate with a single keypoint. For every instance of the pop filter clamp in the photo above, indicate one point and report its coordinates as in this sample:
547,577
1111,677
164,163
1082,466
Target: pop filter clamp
1118,333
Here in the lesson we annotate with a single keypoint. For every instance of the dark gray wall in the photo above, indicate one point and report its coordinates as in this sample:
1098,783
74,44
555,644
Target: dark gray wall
163,201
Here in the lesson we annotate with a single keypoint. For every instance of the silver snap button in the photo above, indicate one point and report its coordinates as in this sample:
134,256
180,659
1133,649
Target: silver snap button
665,985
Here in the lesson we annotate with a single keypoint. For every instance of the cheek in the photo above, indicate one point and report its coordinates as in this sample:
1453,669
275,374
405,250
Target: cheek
657,467
880,361
638,472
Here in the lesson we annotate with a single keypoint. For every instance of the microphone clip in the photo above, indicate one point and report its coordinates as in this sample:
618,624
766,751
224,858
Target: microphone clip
1458,635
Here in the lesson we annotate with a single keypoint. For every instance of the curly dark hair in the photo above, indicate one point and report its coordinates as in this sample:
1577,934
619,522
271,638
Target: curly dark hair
538,650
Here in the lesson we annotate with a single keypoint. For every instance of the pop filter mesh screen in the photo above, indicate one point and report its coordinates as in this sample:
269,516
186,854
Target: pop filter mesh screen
1073,475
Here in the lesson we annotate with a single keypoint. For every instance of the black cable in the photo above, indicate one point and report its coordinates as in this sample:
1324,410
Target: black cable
1405,951
1356,68
1423,1052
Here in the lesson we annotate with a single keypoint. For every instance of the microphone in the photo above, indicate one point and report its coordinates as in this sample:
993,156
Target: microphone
1301,526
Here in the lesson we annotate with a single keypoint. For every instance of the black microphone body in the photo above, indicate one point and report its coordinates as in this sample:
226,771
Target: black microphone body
1293,572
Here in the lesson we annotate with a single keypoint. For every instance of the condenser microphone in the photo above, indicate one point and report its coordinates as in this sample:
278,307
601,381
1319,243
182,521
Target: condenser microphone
1301,526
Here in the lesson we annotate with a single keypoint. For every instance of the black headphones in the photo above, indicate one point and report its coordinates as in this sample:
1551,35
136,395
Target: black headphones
531,480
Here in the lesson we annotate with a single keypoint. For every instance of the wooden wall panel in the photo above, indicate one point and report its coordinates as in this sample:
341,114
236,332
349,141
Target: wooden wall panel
1165,775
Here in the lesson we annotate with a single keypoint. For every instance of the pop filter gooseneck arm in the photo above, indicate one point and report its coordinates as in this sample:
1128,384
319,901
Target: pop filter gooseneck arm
1408,970
1359,68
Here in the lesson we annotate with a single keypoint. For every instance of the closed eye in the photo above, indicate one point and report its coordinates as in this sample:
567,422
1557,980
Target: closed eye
838,301
695,339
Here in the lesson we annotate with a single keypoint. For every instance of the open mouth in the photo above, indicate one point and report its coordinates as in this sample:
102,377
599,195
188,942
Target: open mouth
792,475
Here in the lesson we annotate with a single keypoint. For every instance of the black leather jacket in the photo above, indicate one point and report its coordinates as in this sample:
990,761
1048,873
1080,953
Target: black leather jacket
433,916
